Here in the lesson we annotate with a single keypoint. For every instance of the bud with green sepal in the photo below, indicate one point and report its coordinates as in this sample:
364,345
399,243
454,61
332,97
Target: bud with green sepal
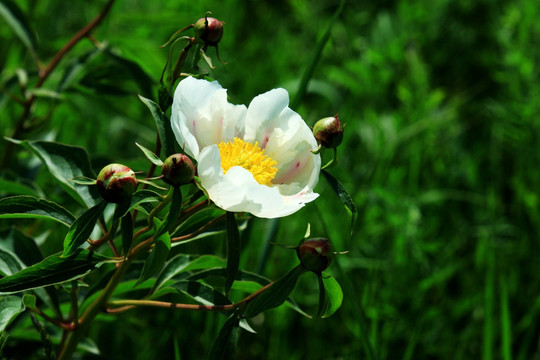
116,183
208,31
315,254
178,170
328,132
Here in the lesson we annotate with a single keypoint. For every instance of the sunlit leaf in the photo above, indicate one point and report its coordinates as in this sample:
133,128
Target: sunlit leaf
334,294
150,155
276,294
163,126
10,307
81,228
65,162
24,206
53,270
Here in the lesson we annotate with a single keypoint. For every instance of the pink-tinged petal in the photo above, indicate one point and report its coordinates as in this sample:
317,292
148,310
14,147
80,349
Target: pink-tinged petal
237,190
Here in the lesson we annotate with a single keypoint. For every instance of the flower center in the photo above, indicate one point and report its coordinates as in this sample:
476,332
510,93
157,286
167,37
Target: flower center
249,156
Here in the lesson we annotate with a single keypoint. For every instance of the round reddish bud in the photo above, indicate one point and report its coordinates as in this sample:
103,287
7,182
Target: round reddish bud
208,31
328,132
315,254
178,170
116,183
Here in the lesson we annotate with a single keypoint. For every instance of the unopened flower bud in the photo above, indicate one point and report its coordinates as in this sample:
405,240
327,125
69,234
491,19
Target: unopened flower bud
328,132
178,170
208,31
116,183
315,254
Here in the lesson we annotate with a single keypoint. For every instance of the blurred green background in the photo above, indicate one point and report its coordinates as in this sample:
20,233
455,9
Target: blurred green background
441,156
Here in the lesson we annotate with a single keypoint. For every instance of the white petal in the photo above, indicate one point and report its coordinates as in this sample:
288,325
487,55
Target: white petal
239,191
201,115
286,138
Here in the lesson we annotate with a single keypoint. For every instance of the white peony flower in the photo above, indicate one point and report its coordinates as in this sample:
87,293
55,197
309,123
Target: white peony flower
257,159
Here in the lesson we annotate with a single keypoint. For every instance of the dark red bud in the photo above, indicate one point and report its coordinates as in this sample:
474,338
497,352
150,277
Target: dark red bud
178,170
328,132
208,31
315,254
116,183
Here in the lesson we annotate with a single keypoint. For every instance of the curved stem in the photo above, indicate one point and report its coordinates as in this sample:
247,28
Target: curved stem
129,304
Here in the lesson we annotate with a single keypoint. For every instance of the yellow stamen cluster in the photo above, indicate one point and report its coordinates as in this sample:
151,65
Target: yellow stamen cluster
249,156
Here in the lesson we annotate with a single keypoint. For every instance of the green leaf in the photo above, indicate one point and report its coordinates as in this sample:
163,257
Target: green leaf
29,300
24,206
16,19
276,294
182,263
343,195
65,162
334,294
52,270
138,198
163,125
83,180
225,345
20,245
144,81
75,67
8,187
81,229
157,257
9,263
150,155
233,250
10,307
200,292
174,212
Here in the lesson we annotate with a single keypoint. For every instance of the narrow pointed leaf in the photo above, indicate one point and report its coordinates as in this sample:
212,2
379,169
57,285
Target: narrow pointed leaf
150,155
225,345
9,263
233,250
83,180
10,307
182,263
343,195
174,212
81,228
127,233
163,125
16,19
24,206
66,162
157,257
138,198
20,245
334,294
200,292
52,270
276,294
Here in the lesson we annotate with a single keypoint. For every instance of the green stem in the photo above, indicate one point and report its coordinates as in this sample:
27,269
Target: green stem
91,312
